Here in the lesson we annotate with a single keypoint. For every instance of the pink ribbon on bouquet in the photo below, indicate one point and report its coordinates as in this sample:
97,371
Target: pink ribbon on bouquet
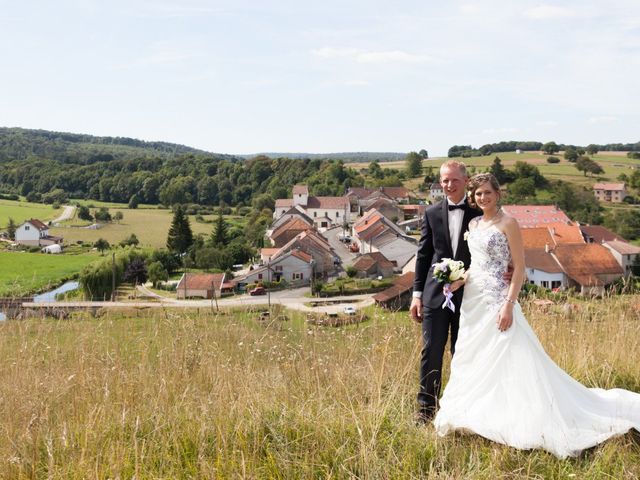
448,295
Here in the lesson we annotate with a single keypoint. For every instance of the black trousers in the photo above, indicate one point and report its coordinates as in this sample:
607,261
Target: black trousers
436,325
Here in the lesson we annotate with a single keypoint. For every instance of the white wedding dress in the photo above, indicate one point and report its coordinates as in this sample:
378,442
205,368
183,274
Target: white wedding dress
503,385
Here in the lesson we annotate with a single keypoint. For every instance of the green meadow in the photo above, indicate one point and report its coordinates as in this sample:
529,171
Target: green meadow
21,211
22,272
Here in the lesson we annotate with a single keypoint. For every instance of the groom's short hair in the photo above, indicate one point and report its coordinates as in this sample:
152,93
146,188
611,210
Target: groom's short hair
455,164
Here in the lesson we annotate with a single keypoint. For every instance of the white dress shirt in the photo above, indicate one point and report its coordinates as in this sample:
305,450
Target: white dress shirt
455,224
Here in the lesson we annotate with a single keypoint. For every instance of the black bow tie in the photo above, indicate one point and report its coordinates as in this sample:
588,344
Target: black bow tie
461,206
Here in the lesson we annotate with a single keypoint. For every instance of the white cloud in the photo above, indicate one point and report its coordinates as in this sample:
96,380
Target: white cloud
363,56
602,119
547,123
548,12
470,8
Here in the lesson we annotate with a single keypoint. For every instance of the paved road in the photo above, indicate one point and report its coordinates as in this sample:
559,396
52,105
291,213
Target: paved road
66,214
293,299
340,248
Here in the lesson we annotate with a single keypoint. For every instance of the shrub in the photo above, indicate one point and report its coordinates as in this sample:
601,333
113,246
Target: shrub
553,159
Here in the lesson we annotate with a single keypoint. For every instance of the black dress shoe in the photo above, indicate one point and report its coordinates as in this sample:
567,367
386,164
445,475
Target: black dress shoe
424,416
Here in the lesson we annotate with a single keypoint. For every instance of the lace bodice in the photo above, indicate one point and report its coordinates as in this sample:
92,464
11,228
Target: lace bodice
490,257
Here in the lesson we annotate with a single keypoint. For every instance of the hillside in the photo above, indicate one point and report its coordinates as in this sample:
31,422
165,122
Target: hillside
23,144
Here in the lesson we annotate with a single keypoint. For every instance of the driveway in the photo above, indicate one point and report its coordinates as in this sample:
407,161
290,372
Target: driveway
66,214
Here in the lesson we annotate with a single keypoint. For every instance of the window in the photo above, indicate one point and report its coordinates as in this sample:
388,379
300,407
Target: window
545,284
26,227
556,284
337,214
278,268
259,276
315,214
298,276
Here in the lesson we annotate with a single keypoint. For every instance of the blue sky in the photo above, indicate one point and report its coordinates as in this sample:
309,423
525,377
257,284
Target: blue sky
299,76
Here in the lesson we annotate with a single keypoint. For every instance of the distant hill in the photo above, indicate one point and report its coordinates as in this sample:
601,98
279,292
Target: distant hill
74,148
347,157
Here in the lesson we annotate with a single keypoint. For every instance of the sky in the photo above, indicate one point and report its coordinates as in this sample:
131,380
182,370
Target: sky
246,76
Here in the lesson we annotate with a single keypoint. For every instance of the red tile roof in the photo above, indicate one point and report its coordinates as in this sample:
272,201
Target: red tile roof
609,186
284,203
201,281
536,237
368,260
599,234
38,224
304,256
328,202
538,259
529,216
300,189
584,262
401,285
623,248
293,224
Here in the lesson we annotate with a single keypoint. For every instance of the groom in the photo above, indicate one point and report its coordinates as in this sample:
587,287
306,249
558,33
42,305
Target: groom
443,229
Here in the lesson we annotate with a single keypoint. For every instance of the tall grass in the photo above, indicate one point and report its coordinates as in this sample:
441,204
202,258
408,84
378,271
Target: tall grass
160,394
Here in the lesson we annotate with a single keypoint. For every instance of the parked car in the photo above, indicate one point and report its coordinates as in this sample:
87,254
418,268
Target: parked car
349,310
344,238
258,291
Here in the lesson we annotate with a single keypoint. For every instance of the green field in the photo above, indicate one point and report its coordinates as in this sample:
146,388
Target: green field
183,395
150,225
21,211
22,272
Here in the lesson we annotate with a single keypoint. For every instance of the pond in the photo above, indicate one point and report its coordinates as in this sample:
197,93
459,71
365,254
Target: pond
50,296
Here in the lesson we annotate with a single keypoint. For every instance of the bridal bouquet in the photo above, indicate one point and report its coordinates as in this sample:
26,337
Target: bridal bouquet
447,271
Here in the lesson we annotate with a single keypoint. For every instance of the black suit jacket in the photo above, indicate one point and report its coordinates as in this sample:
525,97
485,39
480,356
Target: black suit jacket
435,244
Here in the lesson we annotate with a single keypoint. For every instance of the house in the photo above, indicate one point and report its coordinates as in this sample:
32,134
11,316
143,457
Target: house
388,208
294,266
294,212
266,254
373,264
398,296
531,216
542,268
285,232
204,285
610,192
360,198
552,234
324,211
624,253
35,233
436,192
599,234
589,268
314,244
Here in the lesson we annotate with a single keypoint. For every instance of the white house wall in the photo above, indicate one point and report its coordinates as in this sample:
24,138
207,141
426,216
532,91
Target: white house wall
539,276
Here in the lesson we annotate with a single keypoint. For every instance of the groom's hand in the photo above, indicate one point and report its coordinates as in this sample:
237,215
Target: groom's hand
416,309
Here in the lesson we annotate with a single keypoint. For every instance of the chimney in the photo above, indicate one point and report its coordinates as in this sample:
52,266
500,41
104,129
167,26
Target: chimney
547,249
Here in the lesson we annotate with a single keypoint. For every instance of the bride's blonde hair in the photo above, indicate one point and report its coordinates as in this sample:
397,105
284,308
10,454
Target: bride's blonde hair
475,182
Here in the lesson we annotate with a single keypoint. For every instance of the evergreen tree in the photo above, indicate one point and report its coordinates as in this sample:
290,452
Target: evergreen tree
220,236
502,175
11,229
180,237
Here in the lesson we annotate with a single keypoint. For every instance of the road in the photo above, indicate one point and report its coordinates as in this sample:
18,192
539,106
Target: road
66,214
346,257
293,299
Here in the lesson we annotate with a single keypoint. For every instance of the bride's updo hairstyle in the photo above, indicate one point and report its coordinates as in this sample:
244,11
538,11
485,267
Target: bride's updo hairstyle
475,182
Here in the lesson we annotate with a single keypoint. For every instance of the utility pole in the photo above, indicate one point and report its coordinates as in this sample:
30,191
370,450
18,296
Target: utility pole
269,277
184,262
113,276
214,298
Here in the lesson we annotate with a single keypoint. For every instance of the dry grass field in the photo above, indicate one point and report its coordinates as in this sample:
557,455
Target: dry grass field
613,163
183,395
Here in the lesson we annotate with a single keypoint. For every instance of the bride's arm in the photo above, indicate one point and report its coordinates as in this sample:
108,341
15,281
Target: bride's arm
512,231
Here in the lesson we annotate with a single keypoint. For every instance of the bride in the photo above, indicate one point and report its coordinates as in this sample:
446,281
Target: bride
503,385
